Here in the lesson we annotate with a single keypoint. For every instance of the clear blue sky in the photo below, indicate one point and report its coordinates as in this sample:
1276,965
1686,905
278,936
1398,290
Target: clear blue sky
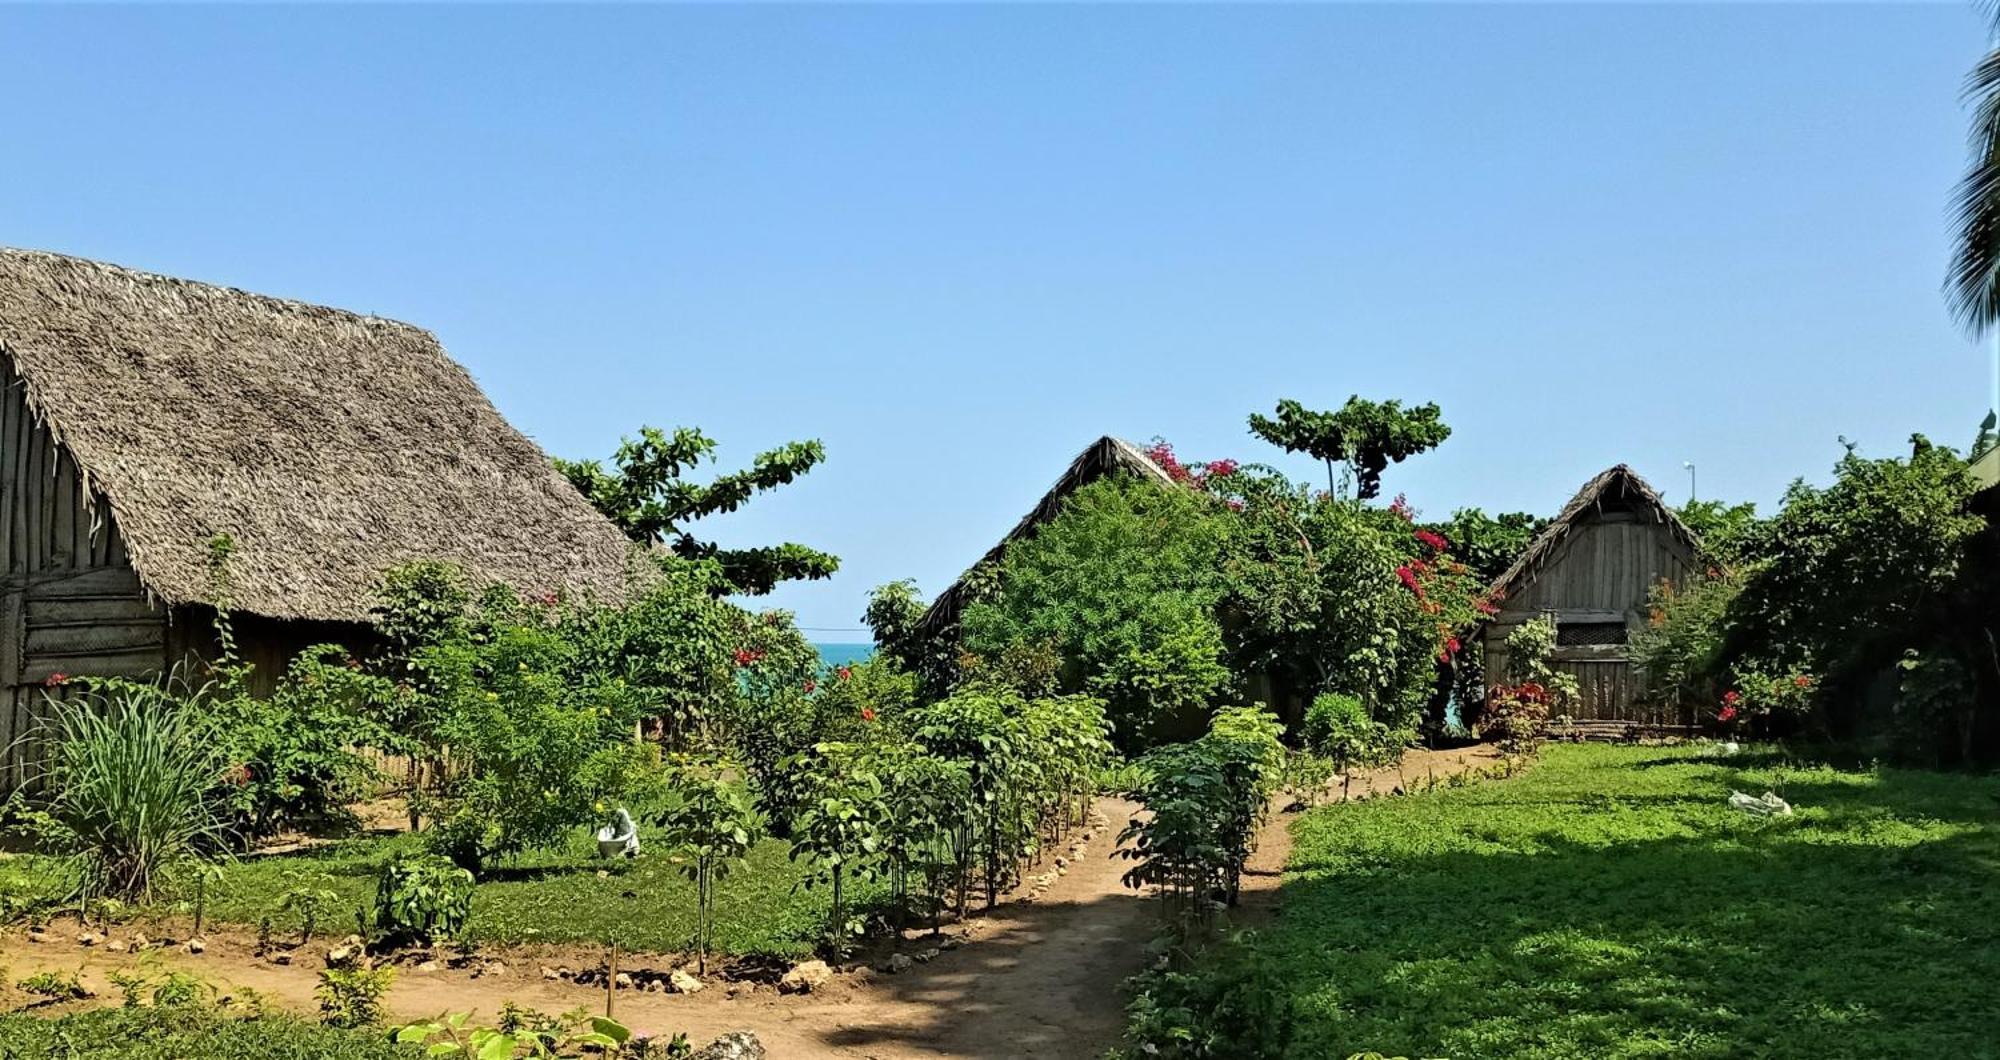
959,243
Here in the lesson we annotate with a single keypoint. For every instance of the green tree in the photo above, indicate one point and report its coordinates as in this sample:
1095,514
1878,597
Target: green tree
710,825
1365,435
1728,532
646,493
1851,576
1123,583
1489,544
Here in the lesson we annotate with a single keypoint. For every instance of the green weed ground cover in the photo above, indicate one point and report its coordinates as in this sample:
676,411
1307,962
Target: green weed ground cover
175,1034
1608,903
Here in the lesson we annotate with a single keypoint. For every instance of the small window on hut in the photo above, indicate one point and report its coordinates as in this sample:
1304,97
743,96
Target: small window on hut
1584,634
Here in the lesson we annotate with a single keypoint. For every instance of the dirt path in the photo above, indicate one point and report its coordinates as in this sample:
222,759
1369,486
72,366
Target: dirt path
1037,977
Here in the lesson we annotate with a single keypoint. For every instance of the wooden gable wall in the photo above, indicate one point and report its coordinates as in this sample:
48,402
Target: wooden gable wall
1599,576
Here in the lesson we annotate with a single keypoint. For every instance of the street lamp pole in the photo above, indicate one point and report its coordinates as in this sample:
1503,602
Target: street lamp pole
1689,464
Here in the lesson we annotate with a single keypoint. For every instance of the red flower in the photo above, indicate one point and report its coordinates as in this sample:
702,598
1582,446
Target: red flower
1409,579
1726,715
1802,681
867,713
1234,505
1434,541
1451,644
843,672
239,775
56,680
1731,698
745,656
810,685
1400,508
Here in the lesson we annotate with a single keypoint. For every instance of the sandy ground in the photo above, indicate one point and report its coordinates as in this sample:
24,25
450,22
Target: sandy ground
1037,977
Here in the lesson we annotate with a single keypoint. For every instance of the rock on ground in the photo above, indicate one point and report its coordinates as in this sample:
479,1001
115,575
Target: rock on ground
736,1045
806,977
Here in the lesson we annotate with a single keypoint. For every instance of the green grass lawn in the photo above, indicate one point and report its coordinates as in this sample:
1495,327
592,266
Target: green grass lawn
557,896
542,896
1608,903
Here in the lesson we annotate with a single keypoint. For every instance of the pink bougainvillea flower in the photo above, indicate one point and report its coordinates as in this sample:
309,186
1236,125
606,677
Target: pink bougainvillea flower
867,713
1400,508
810,685
1435,542
745,656
1726,715
1451,644
56,680
1222,468
1409,578
1732,697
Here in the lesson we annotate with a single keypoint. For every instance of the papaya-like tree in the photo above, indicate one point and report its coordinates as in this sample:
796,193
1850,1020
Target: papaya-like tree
1365,435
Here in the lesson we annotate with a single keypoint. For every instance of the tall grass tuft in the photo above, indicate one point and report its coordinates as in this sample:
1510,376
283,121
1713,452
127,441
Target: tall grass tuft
132,777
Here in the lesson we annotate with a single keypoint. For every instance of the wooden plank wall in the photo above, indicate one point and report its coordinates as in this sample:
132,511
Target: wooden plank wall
1603,571
70,602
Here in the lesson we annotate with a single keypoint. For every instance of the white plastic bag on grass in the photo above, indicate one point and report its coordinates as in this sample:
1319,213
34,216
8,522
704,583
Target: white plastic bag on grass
1769,805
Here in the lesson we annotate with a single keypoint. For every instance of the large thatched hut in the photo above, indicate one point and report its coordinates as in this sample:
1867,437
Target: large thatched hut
141,417
1592,569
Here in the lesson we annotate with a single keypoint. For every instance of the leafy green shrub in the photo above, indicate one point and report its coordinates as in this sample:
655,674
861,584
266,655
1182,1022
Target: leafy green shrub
1305,777
352,997
839,831
1237,1003
537,741
1338,726
56,986
709,823
296,754
1204,801
132,779
1679,650
1124,585
309,900
573,1034
423,897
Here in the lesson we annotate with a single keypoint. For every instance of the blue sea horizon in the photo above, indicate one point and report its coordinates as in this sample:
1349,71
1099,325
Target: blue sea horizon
844,654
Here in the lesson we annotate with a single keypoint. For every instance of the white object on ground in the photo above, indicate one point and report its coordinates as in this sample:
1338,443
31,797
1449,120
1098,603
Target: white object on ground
621,836
1769,805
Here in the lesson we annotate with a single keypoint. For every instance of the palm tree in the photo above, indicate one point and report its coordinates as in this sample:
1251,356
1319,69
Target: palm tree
1974,284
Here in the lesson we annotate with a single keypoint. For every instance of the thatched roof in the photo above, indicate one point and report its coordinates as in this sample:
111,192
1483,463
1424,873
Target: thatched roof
329,445
1619,488
1105,456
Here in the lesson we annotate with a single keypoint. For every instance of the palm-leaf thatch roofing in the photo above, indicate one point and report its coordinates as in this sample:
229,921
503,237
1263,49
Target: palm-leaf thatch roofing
1105,456
1619,487
328,445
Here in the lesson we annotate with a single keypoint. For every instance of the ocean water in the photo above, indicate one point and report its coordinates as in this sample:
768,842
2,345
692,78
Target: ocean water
844,654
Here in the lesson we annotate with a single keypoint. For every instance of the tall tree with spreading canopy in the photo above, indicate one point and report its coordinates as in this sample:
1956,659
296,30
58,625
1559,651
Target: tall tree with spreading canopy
646,494
1365,435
